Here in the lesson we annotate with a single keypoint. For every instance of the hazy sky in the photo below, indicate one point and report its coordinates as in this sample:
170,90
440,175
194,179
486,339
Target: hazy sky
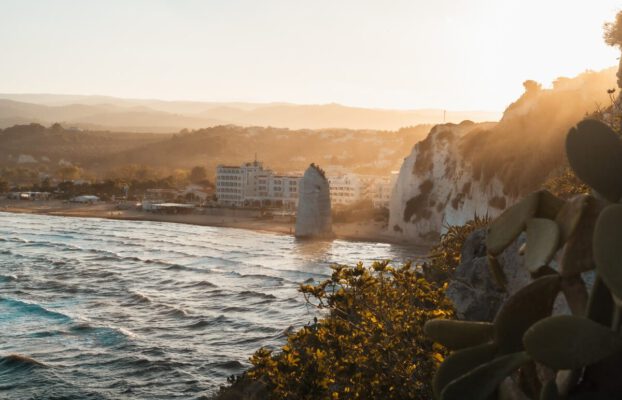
454,54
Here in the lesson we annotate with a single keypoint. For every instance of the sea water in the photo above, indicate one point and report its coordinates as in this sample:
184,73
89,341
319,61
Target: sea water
105,309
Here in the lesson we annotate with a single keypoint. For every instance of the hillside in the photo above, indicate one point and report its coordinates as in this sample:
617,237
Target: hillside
365,151
109,113
462,170
38,146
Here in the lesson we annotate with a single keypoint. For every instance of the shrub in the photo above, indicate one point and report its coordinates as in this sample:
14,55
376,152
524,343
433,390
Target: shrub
369,345
565,184
444,257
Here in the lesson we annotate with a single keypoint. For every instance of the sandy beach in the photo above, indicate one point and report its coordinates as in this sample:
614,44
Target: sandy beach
242,219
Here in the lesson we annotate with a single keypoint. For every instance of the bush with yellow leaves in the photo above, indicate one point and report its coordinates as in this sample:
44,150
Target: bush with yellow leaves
445,256
369,345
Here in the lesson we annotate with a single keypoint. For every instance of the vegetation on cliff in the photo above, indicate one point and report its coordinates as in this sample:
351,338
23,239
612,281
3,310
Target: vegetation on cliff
551,356
369,344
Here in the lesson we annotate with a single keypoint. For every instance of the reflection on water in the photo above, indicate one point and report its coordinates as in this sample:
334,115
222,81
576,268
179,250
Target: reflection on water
123,309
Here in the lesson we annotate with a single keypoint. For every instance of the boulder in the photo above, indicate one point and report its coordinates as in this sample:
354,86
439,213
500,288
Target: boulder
472,290
313,219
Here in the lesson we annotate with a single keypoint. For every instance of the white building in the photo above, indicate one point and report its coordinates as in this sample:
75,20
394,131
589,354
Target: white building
349,188
382,190
230,185
251,185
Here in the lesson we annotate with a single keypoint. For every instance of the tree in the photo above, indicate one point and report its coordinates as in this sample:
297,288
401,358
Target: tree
4,186
613,37
56,127
532,86
198,174
69,172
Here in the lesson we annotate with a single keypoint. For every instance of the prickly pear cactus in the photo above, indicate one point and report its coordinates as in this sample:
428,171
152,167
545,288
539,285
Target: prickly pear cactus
562,356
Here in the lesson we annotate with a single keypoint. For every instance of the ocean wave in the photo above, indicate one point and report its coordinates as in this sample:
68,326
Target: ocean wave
8,278
174,311
18,362
138,297
179,267
198,325
202,284
18,240
104,335
20,308
252,293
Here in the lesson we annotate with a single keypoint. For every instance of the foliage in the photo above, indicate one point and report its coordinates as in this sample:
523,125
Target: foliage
613,31
565,184
361,211
198,174
562,356
528,142
370,344
444,257
4,186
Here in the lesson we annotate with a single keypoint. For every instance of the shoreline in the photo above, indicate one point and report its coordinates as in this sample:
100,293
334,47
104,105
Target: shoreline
357,232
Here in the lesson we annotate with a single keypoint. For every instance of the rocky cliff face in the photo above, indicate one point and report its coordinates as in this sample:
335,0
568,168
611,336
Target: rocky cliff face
462,170
313,219
436,187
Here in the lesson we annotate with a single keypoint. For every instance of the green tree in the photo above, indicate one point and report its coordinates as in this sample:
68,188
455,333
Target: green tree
613,37
69,173
4,186
198,174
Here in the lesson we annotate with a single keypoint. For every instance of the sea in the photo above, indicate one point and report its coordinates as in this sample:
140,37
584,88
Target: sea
104,309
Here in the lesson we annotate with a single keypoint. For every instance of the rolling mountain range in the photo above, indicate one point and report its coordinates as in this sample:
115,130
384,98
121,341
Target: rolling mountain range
158,116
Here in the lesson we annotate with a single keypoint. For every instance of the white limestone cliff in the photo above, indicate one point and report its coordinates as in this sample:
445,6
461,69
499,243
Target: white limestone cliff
436,187
313,219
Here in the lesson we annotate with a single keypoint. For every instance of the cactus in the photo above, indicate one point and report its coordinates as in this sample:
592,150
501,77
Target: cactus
456,335
549,342
542,243
595,154
607,249
460,363
582,234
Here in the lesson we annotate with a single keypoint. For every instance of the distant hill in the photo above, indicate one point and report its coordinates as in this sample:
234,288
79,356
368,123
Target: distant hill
101,112
45,149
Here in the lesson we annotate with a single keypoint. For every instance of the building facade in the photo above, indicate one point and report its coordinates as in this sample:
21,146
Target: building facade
250,185
230,185
349,188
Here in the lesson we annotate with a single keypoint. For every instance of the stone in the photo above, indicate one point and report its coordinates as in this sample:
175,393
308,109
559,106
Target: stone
313,219
472,289
436,188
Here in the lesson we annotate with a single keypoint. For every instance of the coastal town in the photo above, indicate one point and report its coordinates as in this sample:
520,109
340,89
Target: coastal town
249,185
248,196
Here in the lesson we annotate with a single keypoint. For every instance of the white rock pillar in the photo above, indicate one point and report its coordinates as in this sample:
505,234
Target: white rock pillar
313,219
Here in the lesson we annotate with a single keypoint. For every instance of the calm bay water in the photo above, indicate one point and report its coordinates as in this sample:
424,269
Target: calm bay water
148,310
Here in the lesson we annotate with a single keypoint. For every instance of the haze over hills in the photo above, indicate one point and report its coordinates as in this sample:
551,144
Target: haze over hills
110,113
45,150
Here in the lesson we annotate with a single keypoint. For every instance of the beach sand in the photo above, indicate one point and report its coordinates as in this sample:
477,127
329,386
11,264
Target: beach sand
363,232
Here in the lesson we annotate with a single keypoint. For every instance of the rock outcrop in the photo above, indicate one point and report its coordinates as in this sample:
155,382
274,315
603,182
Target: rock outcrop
313,219
472,289
466,169
436,187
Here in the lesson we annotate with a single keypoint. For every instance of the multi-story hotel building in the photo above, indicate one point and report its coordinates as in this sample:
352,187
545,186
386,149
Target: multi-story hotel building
250,185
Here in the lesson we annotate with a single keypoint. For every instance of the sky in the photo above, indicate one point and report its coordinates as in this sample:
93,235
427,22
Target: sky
450,54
